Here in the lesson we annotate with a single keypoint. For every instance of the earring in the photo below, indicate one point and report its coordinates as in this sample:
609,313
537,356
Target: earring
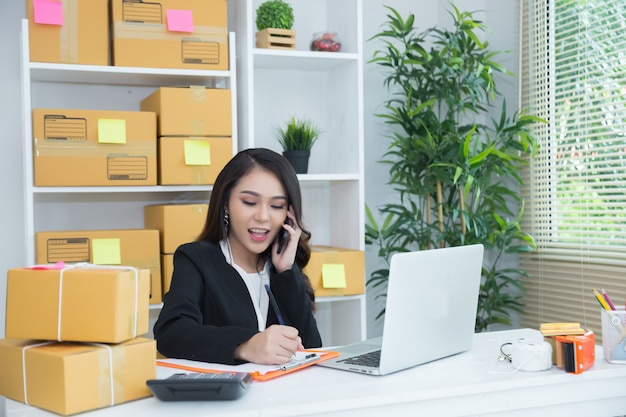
226,222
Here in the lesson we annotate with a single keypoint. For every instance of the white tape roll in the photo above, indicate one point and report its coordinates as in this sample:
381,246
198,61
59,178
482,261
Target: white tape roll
531,355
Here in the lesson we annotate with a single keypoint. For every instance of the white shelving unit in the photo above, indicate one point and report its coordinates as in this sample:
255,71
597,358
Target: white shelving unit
326,87
49,85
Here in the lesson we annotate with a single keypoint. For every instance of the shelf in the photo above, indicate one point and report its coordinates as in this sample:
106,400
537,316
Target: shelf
127,189
300,60
94,74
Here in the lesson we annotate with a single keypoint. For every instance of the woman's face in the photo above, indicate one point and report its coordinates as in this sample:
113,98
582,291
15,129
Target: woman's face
257,208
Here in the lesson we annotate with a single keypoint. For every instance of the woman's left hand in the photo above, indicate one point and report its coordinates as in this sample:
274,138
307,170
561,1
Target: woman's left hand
284,260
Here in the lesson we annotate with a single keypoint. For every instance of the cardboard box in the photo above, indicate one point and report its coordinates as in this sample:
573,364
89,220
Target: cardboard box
69,32
336,271
69,378
192,160
83,304
167,266
134,247
94,147
191,111
177,223
148,34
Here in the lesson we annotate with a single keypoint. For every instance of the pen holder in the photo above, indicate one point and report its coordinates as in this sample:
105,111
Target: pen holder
614,335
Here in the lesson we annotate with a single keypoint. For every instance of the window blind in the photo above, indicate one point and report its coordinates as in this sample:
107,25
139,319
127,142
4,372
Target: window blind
573,75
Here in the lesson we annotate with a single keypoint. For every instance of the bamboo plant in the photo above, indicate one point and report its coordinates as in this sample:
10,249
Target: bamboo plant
455,167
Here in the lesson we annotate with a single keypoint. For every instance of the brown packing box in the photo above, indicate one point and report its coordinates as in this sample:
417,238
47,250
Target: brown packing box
342,263
192,160
69,378
191,111
94,147
167,265
138,248
83,304
177,223
82,38
141,37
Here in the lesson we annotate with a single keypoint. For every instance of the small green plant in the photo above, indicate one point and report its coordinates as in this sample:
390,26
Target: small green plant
275,14
297,134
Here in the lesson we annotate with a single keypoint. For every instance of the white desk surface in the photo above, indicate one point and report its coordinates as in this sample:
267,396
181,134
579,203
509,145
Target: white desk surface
473,383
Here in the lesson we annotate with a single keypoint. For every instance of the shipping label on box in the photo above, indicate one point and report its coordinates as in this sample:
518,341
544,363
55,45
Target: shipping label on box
336,271
78,303
94,147
192,160
138,248
156,34
68,31
69,378
191,111
177,223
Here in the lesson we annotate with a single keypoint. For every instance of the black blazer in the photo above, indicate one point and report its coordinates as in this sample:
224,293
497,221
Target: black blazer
207,311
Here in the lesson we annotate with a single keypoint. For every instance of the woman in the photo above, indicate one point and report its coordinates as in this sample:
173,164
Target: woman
218,307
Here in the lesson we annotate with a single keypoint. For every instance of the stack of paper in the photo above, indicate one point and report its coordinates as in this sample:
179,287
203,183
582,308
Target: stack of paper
557,329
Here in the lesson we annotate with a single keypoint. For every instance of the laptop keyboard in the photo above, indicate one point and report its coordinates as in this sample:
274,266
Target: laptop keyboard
369,359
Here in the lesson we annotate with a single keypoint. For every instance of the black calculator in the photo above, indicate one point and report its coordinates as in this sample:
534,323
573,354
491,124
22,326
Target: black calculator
201,386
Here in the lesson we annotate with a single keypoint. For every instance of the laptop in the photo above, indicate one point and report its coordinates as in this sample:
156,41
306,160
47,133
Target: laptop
432,300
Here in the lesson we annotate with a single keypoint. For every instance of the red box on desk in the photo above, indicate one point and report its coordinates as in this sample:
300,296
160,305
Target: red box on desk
69,378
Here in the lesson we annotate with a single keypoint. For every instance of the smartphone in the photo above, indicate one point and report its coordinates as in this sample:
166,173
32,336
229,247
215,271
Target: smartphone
282,237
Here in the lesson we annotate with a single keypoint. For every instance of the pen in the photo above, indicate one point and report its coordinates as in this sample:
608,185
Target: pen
274,305
601,300
608,299
308,359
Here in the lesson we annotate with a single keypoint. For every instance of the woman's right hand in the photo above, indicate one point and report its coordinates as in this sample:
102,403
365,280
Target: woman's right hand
275,345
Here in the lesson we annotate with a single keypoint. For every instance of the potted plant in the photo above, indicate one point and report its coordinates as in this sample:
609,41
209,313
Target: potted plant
455,175
297,137
274,20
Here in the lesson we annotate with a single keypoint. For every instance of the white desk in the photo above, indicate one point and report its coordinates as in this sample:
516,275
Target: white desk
473,383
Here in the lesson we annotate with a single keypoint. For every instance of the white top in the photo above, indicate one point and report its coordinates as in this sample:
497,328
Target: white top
255,283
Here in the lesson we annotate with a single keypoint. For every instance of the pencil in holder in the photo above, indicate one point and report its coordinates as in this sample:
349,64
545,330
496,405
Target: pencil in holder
614,335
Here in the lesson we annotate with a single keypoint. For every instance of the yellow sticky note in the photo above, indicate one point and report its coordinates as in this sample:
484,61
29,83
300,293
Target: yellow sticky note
333,276
106,251
197,152
111,130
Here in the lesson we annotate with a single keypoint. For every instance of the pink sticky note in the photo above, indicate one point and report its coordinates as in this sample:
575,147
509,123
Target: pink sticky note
58,265
48,12
179,20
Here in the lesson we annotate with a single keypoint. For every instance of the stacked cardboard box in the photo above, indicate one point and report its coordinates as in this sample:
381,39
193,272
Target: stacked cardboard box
177,224
335,271
94,147
68,32
138,248
194,125
191,34
73,337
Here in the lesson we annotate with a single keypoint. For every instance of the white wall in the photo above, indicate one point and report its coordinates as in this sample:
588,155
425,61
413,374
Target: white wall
11,179
501,17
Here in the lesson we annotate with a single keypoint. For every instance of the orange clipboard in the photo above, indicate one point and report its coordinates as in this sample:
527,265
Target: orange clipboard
323,355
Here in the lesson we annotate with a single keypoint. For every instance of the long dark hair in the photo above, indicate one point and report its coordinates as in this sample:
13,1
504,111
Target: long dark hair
239,166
